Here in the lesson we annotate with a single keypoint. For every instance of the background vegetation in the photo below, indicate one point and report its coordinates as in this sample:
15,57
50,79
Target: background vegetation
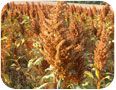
89,2
23,64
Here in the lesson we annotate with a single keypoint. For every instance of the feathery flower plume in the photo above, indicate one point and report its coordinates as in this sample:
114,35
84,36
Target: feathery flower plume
106,10
94,10
35,26
90,13
62,47
101,52
76,34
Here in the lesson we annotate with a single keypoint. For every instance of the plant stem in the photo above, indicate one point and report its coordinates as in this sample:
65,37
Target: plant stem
99,81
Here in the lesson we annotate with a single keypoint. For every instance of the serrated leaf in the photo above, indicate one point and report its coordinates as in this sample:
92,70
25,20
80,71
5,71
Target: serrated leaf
59,85
89,74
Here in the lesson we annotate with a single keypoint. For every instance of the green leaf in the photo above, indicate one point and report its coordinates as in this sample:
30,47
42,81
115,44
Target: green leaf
74,86
85,84
38,61
18,44
30,63
89,74
6,78
113,41
97,73
42,86
48,76
107,84
93,69
107,77
23,21
49,69
3,38
38,77
59,85
35,45
23,40
73,71
89,87
6,52
17,69
13,65
15,60
108,73
78,87
35,88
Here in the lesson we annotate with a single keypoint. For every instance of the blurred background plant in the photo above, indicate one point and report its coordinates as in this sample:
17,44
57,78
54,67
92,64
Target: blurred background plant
23,64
